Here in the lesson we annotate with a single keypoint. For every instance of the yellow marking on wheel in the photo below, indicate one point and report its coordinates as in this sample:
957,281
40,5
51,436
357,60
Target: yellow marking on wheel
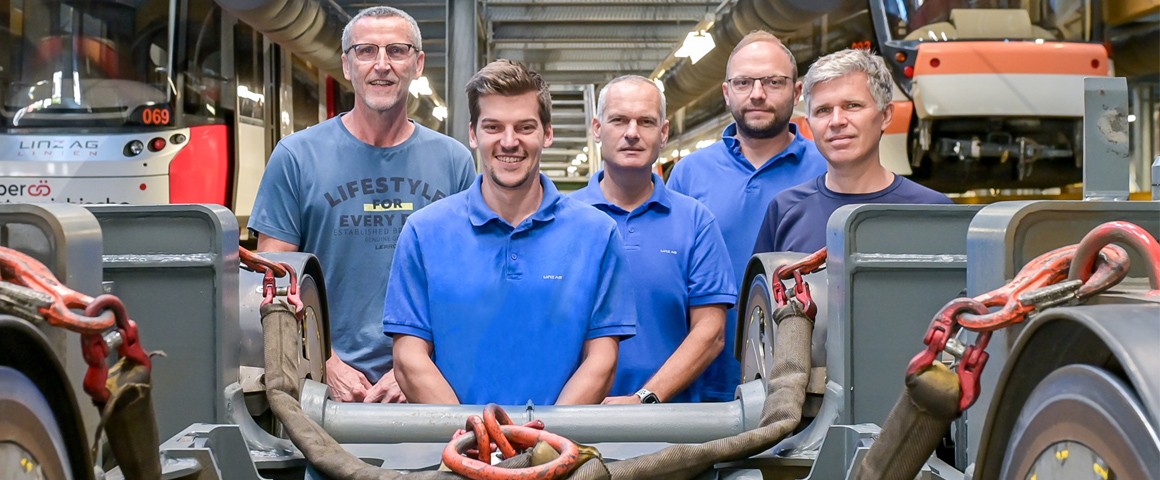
1100,470
1061,455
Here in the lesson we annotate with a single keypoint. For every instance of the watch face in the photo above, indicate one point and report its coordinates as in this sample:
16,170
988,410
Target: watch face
647,396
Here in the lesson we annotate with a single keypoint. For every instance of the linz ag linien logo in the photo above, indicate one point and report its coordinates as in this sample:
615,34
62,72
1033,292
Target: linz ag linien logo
39,188
58,148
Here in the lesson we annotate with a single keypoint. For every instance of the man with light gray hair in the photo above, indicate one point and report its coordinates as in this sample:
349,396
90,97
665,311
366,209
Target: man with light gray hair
848,107
678,263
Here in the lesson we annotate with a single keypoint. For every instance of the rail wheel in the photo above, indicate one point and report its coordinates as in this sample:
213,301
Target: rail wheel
1082,422
31,445
312,364
759,331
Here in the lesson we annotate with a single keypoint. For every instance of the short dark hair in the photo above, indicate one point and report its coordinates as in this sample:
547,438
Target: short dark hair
507,77
762,36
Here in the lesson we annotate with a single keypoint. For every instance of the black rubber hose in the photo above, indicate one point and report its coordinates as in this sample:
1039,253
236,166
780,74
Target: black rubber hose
779,416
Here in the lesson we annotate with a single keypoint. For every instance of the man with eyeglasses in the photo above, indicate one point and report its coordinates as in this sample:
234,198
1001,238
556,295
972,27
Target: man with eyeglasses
343,189
848,106
759,155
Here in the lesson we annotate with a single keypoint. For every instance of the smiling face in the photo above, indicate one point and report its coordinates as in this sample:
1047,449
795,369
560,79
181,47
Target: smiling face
381,85
510,139
761,112
631,130
846,122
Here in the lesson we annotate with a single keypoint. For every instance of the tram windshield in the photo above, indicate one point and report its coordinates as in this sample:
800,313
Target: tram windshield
943,20
85,62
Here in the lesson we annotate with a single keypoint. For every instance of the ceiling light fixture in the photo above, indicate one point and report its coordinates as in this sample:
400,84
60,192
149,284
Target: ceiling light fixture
420,86
697,44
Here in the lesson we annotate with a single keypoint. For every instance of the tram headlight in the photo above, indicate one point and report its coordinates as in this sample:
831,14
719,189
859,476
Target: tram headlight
134,148
156,144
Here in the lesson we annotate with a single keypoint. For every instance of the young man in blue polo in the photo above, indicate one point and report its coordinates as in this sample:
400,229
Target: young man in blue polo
508,292
848,105
759,155
677,259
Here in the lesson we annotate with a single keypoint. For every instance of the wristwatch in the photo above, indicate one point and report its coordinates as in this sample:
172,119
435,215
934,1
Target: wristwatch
647,397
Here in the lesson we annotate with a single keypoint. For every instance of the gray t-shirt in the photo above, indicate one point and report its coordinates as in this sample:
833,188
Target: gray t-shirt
345,201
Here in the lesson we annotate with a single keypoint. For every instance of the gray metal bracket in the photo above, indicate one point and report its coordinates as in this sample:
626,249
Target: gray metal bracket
204,452
175,267
66,239
886,283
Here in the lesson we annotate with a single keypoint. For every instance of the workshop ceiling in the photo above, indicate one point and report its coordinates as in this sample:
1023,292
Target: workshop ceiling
567,41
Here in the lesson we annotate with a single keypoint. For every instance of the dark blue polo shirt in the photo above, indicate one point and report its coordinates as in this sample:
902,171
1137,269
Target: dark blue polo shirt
796,219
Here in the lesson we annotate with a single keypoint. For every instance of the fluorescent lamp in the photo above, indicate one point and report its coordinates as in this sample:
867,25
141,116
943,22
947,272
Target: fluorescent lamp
697,44
420,86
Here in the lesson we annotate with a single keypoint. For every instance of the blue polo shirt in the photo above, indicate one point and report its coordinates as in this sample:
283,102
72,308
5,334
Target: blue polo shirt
508,308
720,177
676,259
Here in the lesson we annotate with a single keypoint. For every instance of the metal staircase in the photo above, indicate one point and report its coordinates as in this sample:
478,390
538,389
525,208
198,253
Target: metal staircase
573,156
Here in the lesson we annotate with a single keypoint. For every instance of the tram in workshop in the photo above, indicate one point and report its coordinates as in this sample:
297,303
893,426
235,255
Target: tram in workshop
145,102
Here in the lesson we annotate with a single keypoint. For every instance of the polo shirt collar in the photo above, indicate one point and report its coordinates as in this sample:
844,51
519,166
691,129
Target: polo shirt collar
795,149
659,198
481,214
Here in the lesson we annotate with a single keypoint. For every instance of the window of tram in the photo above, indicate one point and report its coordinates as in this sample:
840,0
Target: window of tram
248,62
1065,18
9,44
88,64
305,93
204,76
1050,19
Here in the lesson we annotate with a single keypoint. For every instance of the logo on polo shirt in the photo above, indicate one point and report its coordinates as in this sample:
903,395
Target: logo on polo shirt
553,277
668,251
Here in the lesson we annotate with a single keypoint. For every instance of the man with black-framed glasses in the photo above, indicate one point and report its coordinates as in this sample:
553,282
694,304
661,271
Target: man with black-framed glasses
759,155
343,188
